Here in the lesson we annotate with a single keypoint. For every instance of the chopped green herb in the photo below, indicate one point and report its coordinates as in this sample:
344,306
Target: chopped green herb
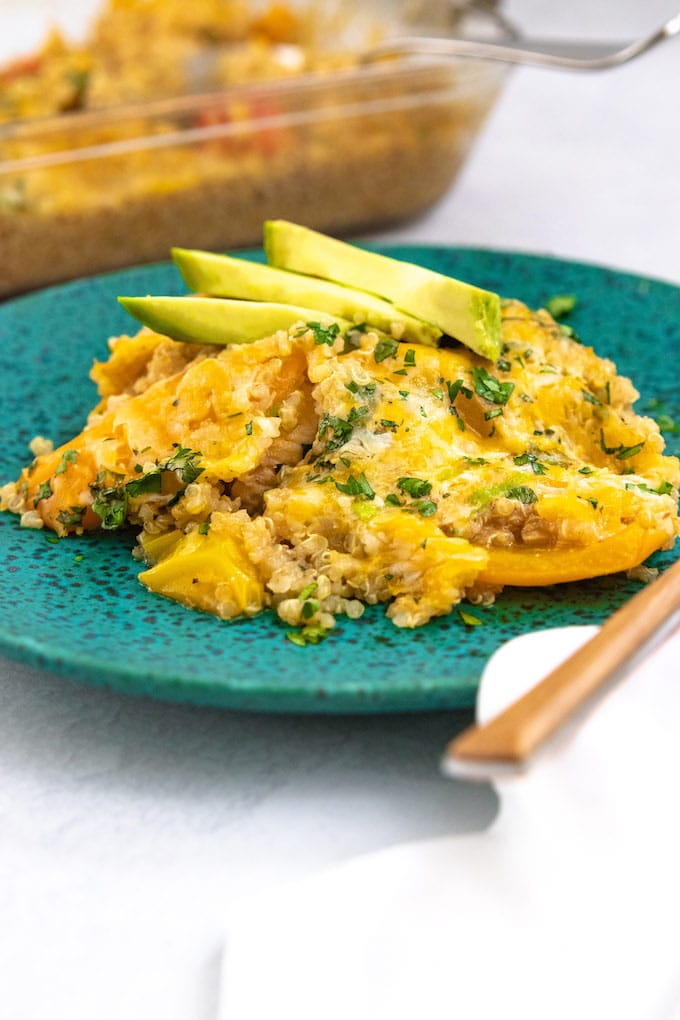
385,348
532,460
307,591
666,424
561,305
522,493
110,504
393,500
309,608
503,365
664,489
456,387
489,387
387,423
71,517
68,457
44,492
184,461
150,482
310,635
493,413
356,487
204,527
585,470
357,413
415,487
591,398
410,357
360,391
324,334
425,507
341,429
620,452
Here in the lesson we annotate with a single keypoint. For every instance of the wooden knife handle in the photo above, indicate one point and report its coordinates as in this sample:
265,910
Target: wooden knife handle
514,734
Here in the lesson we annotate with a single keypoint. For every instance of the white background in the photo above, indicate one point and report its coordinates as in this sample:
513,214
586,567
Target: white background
127,826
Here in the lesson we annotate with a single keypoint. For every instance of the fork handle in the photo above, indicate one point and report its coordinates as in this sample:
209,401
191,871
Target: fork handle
516,733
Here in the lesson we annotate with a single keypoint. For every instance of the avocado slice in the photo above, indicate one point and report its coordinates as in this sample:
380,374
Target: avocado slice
206,320
224,276
464,312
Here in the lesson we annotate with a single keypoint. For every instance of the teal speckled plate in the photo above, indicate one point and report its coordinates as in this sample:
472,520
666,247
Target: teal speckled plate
75,606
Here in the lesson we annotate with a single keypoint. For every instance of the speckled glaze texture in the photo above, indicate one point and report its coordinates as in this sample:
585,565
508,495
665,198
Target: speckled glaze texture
75,607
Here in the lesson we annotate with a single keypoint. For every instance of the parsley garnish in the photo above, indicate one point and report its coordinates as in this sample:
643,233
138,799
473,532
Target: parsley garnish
184,461
489,387
664,489
560,305
310,635
324,334
468,619
415,487
410,357
456,387
393,500
387,423
385,348
356,487
111,504
522,493
150,482
68,457
425,507
621,452
360,391
44,492
71,517
249,428
341,429
530,458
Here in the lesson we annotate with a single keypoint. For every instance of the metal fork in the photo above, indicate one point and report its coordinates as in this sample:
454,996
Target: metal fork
563,55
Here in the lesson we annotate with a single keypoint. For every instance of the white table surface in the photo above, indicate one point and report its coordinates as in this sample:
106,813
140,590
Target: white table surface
126,826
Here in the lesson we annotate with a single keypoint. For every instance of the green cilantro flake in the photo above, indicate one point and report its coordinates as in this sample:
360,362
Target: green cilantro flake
522,493
425,507
68,457
356,487
184,461
44,492
532,460
560,305
309,590
324,334
415,487
150,482
489,387
71,517
385,348
621,452
111,504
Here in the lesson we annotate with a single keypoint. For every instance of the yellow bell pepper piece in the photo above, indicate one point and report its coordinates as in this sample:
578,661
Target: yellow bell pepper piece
528,567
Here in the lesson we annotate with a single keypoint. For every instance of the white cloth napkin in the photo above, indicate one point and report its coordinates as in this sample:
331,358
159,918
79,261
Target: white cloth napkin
567,907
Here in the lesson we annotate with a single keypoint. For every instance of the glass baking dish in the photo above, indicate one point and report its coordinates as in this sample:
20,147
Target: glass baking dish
352,148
